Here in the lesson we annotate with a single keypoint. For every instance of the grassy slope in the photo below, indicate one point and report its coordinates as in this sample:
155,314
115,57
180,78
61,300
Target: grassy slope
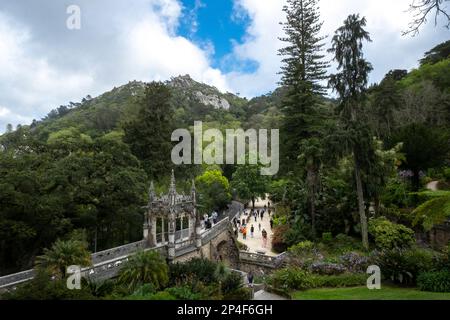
362,293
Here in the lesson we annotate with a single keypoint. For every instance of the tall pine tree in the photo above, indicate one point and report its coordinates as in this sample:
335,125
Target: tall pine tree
351,85
149,135
302,71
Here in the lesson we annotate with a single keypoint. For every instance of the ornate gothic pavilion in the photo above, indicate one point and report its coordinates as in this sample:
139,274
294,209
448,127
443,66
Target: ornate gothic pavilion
172,219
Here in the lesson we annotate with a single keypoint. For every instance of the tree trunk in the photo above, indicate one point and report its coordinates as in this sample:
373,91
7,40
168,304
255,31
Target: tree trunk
362,213
312,184
95,240
253,202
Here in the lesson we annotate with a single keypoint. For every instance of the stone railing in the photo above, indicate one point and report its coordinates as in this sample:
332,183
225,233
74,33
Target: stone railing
117,251
109,268
217,229
262,259
107,263
16,278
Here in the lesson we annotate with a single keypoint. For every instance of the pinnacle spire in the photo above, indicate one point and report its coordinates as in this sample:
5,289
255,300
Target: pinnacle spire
172,183
151,192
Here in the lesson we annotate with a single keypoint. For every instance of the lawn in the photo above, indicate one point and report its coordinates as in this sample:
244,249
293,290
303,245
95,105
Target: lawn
362,293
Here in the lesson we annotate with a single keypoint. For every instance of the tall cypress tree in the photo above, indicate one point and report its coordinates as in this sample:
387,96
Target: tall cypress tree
302,71
351,85
149,134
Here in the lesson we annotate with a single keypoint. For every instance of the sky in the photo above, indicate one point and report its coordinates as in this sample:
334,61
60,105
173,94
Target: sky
230,44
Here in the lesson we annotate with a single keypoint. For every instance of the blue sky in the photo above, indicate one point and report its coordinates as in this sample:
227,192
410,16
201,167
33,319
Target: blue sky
220,25
230,44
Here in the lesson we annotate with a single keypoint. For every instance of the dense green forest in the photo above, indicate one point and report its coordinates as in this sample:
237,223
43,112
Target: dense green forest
88,165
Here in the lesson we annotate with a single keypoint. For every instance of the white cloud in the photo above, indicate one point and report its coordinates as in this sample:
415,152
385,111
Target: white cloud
153,54
44,65
30,85
143,46
386,19
7,116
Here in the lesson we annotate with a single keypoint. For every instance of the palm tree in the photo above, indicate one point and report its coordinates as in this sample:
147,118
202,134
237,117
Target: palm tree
145,267
62,255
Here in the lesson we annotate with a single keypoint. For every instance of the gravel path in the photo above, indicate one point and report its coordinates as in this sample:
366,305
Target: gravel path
255,244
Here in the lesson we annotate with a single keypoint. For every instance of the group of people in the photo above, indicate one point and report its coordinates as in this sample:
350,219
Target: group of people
209,221
243,226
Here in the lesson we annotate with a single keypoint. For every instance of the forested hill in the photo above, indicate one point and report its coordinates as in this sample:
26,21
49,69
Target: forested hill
102,114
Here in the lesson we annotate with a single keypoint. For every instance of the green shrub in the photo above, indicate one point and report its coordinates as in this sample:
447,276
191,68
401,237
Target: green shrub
343,243
404,265
196,269
145,290
239,294
397,194
232,282
434,210
390,235
342,280
302,248
43,288
183,293
304,254
327,237
162,295
446,174
99,289
292,278
438,281
144,267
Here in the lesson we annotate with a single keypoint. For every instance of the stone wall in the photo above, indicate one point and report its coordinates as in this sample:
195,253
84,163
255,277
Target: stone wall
437,237
260,264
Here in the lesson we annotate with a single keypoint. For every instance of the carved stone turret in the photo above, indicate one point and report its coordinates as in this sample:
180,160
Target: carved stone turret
163,212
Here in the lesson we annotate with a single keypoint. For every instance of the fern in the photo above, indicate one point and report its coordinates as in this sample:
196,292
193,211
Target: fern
434,211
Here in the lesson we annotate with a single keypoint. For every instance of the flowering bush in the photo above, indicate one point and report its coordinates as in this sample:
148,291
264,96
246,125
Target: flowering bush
354,262
325,268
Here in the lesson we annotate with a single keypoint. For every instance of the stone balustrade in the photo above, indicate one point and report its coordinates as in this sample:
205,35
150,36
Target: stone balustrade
262,259
107,263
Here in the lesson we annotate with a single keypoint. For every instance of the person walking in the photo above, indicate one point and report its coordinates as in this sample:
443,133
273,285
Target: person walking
264,238
250,279
244,233
252,229
259,225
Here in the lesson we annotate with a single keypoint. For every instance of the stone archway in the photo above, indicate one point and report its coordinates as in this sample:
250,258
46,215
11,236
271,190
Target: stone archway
228,253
